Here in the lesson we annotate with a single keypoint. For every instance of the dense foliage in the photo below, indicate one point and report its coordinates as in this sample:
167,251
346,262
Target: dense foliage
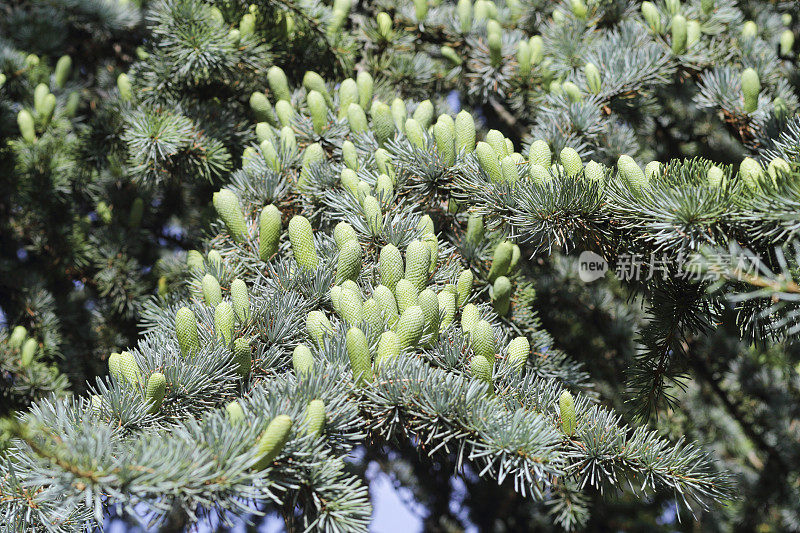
249,247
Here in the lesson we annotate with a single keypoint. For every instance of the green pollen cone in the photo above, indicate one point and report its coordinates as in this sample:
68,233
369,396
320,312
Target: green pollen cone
242,356
234,412
154,392
302,360
501,260
387,303
223,321
518,350
410,326
469,317
388,347
360,360
315,417
272,441
483,340
212,293
230,211
318,326
349,261
241,299
390,266
481,369
418,261
301,236
631,173
186,331
269,232
567,409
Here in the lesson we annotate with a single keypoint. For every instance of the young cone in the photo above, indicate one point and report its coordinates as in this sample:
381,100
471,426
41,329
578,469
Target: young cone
501,260
212,292
269,232
301,236
365,85
567,409
230,211
129,369
154,392
302,360
751,87
318,326
429,303
342,233
278,83
447,307
487,157
28,352
383,122
348,94
360,360
423,114
418,261
410,326
540,154
443,132
482,340
390,266
415,133
314,82
518,350
272,441
234,412
465,132
261,107
223,322
242,356
592,73
17,337
481,369
312,155
679,34
631,173
349,155
315,417
571,161
186,331
318,110
470,316
373,214
372,314
26,127
388,347
406,294
501,296
751,173
241,299
387,303
124,87
351,308
349,261
62,71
